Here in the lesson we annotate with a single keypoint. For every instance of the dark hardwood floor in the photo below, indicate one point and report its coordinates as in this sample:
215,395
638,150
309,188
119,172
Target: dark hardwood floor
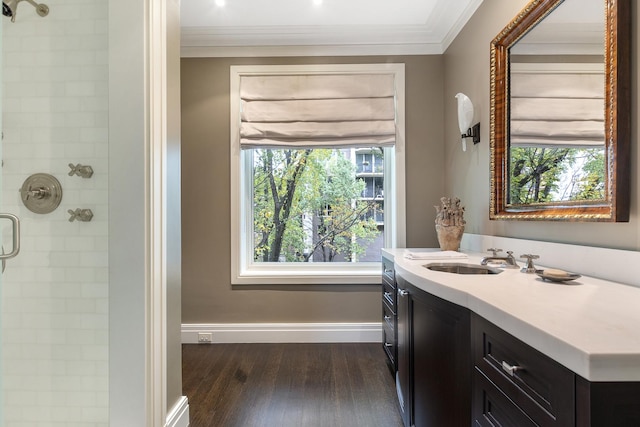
282,385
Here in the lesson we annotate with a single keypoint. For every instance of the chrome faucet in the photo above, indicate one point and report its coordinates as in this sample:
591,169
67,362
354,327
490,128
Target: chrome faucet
530,268
509,261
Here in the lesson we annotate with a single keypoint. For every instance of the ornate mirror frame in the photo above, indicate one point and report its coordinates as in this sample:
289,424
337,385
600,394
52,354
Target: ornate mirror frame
615,207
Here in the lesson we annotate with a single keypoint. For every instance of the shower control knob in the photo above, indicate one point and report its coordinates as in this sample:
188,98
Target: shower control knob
41,193
83,215
38,193
84,171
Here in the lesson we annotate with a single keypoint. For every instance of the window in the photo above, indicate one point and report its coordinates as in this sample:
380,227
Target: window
315,213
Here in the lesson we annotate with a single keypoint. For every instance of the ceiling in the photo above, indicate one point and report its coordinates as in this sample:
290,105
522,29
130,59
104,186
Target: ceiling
333,27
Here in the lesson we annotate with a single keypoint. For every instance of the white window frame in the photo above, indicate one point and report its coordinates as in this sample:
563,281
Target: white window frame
243,270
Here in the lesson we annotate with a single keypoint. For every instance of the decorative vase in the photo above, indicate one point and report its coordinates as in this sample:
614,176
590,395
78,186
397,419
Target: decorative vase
449,236
449,223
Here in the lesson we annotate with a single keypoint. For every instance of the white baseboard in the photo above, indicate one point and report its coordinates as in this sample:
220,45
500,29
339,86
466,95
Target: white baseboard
283,332
178,416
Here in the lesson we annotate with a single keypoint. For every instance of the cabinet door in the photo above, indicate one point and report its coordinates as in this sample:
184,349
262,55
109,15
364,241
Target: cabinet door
440,362
389,340
403,360
607,404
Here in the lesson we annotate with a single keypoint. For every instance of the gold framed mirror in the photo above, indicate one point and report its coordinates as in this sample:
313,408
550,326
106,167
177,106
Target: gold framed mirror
561,151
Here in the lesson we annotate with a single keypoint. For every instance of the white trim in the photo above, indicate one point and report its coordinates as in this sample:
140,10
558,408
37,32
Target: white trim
431,38
343,273
156,245
315,50
460,23
284,332
307,273
137,389
309,41
178,416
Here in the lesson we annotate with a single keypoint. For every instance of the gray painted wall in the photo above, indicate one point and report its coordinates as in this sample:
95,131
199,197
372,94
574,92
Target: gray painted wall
467,65
207,294
436,166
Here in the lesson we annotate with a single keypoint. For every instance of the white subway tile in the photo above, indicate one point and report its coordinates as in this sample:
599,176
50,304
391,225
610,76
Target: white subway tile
56,291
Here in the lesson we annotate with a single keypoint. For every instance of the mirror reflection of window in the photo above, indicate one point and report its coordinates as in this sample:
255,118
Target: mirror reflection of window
557,107
556,132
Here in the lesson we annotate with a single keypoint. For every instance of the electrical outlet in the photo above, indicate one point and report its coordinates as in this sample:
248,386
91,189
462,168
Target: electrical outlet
204,337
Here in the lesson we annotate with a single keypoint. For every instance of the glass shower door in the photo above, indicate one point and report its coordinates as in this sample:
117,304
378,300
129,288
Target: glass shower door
54,296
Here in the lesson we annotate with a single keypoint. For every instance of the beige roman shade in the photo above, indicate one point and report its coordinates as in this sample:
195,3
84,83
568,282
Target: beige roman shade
346,110
564,109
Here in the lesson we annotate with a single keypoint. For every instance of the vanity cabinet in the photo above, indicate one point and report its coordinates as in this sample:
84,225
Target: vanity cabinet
607,404
389,313
434,363
456,368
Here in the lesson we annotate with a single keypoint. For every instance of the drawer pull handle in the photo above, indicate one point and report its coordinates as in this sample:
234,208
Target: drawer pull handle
387,318
388,271
403,293
388,296
510,369
388,345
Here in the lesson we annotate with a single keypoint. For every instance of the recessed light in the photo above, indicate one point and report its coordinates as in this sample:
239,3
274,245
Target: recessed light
220,3
317,2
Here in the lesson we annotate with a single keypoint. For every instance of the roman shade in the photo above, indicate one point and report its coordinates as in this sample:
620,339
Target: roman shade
550,109
317,110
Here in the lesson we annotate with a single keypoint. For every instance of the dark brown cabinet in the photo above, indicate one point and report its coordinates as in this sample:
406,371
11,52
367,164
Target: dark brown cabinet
434,362
538,389
516,385
389,313
455,368
607,404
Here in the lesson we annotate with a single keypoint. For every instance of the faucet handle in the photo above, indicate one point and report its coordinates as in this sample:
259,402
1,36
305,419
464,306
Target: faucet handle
494,250
530,268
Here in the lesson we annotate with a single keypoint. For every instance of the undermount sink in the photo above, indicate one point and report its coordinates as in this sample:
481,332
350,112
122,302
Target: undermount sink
459,268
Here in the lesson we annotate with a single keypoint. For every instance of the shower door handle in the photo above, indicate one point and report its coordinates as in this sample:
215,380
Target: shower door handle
15,223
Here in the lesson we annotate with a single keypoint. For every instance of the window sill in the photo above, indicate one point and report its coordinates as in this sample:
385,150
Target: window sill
290,274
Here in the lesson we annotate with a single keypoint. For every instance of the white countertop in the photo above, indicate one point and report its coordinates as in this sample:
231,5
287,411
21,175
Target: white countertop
589,325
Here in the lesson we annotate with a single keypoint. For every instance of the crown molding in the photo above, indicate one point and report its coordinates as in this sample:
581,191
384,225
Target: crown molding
431,38
308,41
290,51
459,24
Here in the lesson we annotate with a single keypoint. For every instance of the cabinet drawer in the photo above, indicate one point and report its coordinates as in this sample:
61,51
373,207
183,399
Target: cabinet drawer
389,342
541,387
389,295
388,316
388,272
491,408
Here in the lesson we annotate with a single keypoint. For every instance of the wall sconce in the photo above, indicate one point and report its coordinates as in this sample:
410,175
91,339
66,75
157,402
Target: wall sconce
465,117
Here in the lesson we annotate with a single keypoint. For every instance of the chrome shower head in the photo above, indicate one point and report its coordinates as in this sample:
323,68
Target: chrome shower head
10,8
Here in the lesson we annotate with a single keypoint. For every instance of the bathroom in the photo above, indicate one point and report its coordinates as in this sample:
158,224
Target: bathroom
435,166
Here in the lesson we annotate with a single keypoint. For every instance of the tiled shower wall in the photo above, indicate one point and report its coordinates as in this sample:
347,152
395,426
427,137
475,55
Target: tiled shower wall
55,293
